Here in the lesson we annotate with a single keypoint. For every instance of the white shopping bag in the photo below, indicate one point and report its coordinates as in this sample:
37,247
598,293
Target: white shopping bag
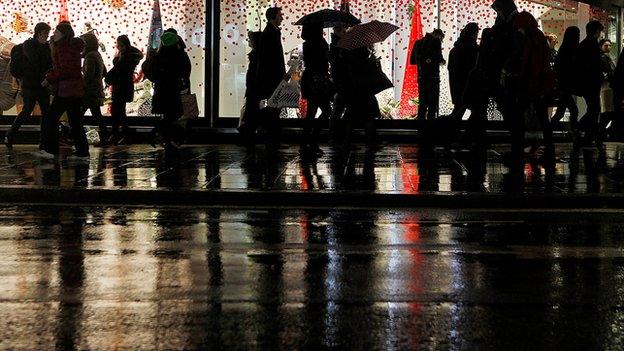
287,94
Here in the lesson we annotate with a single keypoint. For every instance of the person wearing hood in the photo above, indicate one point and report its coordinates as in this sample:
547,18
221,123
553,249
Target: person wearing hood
187,66
93,72
121,78
65,78
37,62
462,60
166,70
427,55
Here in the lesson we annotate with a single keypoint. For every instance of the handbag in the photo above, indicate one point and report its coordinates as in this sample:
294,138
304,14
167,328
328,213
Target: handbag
190,109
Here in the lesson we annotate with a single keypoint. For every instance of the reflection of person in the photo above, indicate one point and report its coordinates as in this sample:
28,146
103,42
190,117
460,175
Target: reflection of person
427,55
606,92
66,80
166,70
462,59
93,71
316,86
565,72
271,69
589,78
121,78
338,71
37,62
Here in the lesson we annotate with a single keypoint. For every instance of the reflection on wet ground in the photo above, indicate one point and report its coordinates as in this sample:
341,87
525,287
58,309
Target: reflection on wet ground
392,169
181,278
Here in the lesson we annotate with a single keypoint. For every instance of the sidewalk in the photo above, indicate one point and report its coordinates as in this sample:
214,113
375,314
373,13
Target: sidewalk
394,176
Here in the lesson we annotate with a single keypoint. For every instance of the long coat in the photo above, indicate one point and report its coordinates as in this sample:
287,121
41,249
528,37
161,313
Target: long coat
121,76
462,60
271,66
166,69
66,76
427,54
93,71
589,68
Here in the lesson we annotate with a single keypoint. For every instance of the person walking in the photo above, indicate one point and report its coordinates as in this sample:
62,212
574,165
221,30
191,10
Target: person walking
565,71
606,92
249,116
166,69
530,76
427,55
121,78
32,61
589,79
462,60
271,71
316,85
338,72
65,78
93,72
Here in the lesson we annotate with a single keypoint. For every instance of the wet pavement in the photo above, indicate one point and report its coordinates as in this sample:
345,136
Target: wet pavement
190,278
393,169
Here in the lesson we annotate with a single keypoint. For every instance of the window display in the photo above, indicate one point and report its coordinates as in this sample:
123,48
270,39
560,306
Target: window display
414,17
110,18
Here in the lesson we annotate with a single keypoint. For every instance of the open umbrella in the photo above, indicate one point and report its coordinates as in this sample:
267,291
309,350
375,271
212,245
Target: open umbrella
366,34
329,18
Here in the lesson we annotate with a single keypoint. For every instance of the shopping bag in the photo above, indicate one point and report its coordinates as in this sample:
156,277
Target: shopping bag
287,94
189,106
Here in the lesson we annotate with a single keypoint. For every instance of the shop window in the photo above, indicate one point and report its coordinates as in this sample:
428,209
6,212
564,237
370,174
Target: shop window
111,18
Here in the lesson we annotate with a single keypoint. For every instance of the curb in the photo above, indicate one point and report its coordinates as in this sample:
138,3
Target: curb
298,199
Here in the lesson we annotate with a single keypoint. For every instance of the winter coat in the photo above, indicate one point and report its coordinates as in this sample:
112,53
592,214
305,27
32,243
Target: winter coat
427,54
462,60
39,63
617,81
607,67
251,89
93,71
66,74
167,71
121,76
588,68
315,81
565,70
338,66
271,66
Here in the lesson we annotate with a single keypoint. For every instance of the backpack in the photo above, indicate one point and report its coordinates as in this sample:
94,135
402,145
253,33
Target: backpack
19,62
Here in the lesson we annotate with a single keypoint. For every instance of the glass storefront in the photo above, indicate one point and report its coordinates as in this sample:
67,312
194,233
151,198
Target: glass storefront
111,18
414,17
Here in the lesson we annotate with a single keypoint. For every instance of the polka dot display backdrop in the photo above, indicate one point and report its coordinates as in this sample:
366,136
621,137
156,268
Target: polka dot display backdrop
112,18
238,16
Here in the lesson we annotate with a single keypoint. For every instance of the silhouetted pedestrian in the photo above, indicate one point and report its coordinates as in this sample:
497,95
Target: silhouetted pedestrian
589,79
606,92
93,72
362,105
462,60
427,55
271,71
249,116
121,78
316,85
565,73
528,78
30,62
166,69
617,84
68,87
339,73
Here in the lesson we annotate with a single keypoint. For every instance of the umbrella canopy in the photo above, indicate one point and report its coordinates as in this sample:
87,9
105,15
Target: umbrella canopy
329,18
366,34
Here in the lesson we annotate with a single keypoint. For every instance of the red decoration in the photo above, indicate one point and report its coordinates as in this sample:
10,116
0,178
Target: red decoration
410,82
64,16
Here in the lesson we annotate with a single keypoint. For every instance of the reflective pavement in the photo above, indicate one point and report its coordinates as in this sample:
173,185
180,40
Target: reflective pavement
104,278
391,169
